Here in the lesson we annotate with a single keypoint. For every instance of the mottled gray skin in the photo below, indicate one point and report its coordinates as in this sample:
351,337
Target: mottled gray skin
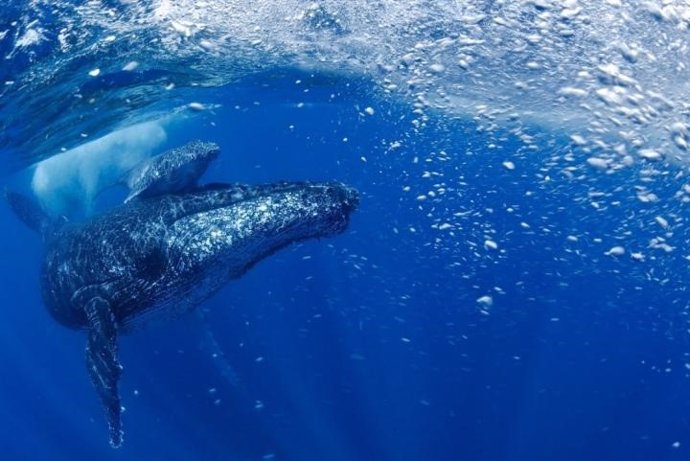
162,256
171,252
173,171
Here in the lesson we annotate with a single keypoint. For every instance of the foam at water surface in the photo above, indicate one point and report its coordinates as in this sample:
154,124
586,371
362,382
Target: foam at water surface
612,74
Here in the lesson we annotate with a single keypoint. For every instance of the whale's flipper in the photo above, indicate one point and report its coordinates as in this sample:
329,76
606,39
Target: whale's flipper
171,172
102,364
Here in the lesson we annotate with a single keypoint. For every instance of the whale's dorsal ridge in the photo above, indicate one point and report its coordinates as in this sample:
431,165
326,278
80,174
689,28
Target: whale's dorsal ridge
174,171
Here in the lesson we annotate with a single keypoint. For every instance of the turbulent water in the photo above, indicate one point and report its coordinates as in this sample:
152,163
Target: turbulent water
612,75
523,167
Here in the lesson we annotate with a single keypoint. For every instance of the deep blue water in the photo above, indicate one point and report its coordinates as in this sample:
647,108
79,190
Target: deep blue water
372,345
368,345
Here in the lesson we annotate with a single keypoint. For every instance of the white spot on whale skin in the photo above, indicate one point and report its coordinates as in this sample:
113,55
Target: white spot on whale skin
31,37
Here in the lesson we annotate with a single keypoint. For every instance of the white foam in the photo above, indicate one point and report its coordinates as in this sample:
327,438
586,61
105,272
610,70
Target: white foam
67,184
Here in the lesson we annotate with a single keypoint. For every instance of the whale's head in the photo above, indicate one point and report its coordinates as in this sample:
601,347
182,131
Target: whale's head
241,225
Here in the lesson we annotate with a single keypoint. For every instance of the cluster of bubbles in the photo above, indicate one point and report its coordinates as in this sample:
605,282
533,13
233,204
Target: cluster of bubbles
578,107
612,75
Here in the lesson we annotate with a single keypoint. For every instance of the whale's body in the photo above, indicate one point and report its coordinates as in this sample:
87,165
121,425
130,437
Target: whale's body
163,255
173,171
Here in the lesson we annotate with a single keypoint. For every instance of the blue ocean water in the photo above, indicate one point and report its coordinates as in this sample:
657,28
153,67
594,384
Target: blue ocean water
506,290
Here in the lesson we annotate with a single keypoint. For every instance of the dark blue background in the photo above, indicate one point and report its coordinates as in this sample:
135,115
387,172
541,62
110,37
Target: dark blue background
371,345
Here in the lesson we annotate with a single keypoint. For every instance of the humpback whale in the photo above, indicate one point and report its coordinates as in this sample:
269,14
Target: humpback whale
162,255
173,171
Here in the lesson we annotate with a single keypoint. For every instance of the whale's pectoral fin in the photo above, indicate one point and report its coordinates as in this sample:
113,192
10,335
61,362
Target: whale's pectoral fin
102,364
